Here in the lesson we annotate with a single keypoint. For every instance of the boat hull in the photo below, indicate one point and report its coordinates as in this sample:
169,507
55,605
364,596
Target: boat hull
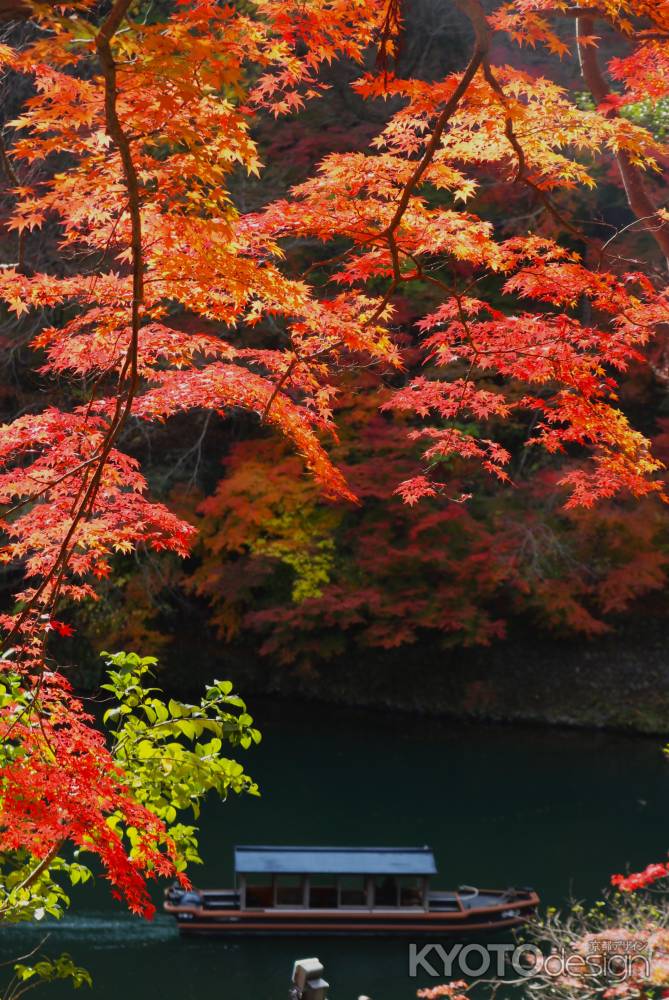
466,919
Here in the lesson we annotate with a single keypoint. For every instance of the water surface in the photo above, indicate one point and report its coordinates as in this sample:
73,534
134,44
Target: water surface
555,809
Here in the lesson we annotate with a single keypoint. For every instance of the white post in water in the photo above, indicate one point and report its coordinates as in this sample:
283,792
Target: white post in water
308,982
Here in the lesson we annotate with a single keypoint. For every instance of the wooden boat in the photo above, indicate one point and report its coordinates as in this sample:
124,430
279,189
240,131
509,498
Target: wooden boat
343,890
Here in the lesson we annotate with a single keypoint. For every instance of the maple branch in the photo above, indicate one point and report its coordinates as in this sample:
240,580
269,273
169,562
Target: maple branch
596,12
13,179
481,45
480,51
277,388
128,372
336,259
42,865
480,58
49,486
638,198
118,136
195,449
38,870
129,368
391,31
521,170
476,14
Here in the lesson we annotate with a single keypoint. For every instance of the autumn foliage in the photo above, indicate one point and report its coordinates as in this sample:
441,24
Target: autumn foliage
127,146
310,580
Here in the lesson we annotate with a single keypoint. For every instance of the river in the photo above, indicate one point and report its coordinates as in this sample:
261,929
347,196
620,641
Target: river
559,810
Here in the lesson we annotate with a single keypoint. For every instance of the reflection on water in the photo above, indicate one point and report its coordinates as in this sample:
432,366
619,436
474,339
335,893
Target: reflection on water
96,930
557,810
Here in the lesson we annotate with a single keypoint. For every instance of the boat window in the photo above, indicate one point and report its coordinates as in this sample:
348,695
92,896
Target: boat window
385,890
352,891
289,890
259,892
322,892
411,891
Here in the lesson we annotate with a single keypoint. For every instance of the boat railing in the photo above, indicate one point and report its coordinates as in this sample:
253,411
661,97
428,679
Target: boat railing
442,902
220,899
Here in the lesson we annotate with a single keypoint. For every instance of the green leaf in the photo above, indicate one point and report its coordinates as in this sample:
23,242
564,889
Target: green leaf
176,709
188,728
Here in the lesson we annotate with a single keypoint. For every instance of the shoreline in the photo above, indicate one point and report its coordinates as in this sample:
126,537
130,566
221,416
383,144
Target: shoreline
619,683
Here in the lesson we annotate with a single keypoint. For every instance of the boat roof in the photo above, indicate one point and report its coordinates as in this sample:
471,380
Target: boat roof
335,860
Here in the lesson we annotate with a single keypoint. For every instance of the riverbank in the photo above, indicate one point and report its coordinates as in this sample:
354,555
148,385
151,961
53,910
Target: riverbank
620,682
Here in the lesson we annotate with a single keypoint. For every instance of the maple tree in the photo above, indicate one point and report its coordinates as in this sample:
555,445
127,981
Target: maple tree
128,144
153,210
314,580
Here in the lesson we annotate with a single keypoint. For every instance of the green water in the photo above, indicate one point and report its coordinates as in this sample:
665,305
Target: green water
557,810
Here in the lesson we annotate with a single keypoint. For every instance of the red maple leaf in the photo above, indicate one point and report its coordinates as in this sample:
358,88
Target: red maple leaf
61,628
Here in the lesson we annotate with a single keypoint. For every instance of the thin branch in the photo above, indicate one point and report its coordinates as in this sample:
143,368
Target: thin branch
638,198
277,388
12,178
28,954
480,51
39,869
